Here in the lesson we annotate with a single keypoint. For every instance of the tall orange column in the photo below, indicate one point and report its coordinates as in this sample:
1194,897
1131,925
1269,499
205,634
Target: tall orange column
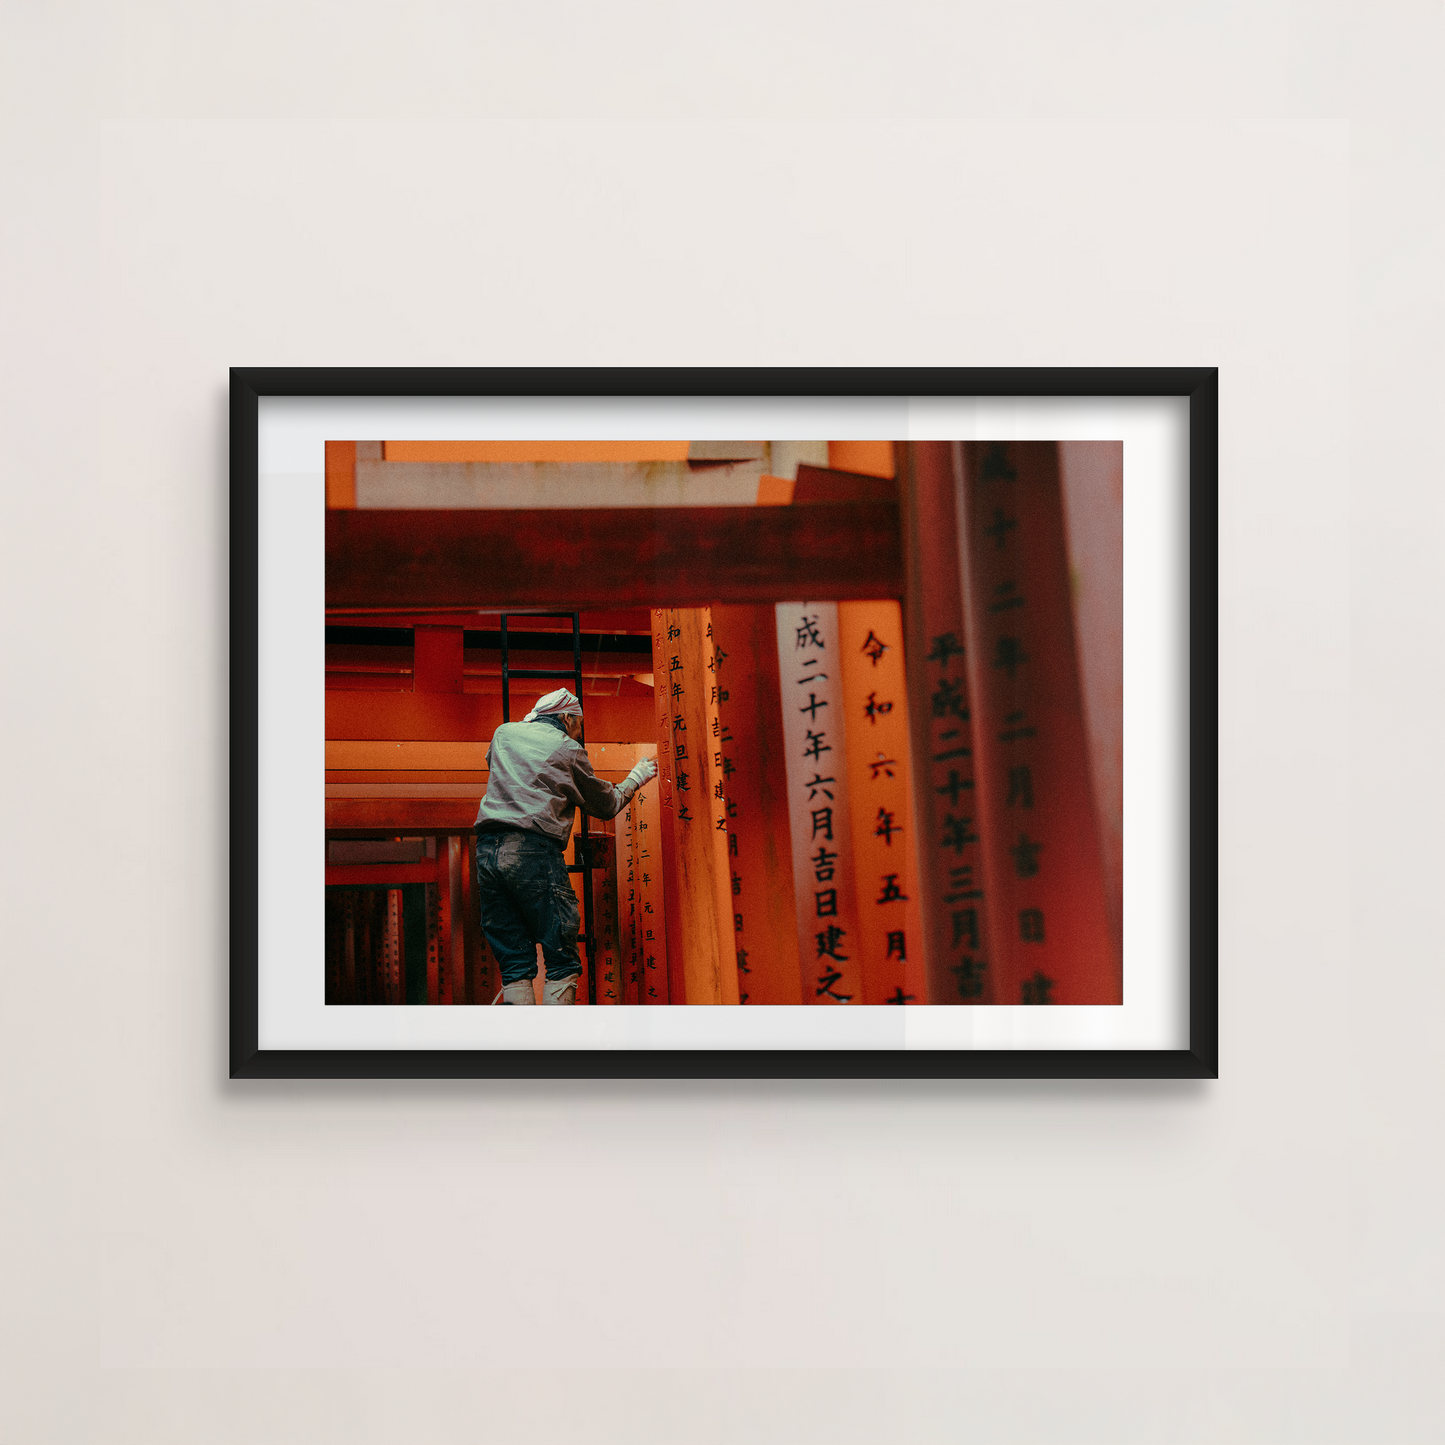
1045,872
941,727
749,751
816,760
875,709
696,889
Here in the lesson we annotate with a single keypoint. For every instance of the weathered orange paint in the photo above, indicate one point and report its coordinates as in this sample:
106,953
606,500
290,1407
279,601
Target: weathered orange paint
875,697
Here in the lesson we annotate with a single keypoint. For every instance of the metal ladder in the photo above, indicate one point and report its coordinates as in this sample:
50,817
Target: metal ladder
584,861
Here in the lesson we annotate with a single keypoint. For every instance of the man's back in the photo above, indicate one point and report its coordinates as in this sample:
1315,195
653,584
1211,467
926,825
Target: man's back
532,782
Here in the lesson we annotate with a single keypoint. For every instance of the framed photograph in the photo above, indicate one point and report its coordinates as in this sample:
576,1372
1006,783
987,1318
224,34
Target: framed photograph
765,723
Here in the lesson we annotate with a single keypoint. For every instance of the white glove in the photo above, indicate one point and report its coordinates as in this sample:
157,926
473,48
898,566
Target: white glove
644,772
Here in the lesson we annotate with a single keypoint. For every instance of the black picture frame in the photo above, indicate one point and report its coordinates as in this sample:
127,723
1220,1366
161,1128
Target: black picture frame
1200,385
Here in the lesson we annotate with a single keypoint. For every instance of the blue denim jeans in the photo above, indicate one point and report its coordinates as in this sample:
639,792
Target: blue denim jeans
526,899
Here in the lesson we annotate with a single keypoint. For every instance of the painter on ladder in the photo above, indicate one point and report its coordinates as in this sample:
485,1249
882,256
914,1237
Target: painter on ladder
539,772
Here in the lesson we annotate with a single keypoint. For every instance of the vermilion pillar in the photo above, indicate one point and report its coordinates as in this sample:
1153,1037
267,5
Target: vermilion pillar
697,892
941,726
875,706
749,750
1044,868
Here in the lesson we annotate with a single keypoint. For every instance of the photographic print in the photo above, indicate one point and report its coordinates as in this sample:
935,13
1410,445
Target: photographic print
709,726
775,853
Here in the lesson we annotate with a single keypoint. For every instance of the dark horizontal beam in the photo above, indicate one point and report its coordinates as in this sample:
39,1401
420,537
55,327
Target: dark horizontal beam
611,557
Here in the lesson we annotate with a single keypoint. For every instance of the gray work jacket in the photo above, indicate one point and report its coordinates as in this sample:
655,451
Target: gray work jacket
538,776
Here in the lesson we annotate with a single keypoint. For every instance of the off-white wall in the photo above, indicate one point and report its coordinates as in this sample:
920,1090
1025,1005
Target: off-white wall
187,187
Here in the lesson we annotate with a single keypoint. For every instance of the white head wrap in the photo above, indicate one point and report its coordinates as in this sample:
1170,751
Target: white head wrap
555,704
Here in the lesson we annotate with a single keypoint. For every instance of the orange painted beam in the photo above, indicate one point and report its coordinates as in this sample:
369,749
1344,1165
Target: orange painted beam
403,775
469,717
471,756
401,815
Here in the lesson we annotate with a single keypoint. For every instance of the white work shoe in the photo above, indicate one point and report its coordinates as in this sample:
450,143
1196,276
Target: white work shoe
519,992
560,990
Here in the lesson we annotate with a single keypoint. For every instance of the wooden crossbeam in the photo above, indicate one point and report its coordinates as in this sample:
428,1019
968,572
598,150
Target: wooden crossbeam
611,557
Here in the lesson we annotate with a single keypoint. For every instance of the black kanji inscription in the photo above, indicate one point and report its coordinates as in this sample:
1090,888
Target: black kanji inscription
816,746
873,707
1000,527
945,645
891,890
1026,856
1009,655
996,466
948,700
1038,989
1020,788
965,928
954,786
